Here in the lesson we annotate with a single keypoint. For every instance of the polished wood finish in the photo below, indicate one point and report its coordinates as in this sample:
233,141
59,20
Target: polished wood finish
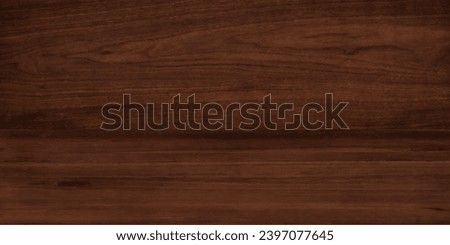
60,61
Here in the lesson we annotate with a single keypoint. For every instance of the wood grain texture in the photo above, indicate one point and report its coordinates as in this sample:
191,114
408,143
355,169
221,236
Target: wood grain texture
60,61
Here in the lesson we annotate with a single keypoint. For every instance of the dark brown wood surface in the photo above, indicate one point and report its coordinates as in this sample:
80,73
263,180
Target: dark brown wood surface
60,61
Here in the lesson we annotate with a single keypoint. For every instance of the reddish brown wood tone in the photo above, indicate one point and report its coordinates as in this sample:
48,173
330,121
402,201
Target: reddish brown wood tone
61,60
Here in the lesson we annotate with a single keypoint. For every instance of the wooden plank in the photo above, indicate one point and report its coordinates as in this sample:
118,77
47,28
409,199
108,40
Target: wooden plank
61,61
